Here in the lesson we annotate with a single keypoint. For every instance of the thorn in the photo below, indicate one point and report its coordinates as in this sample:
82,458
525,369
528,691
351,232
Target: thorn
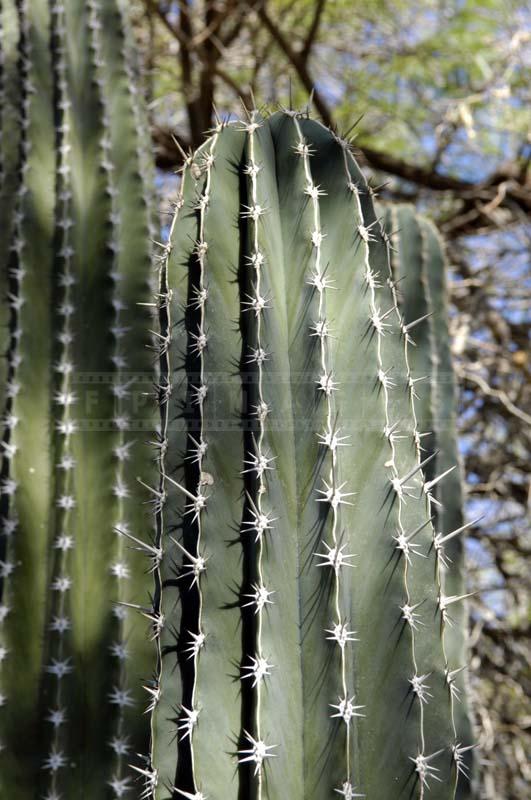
151,778
153,615
331,439
257,670
259,597
55,760
391,431
260,523
365,232
430,484
259,464
458,751
409,616
197,642
405,544
120,786
444,602
188,723
424,769
314,192
347,791
410,325
154,553
418,467
334,496
451,675
201,448
189,795
154,693
335,558
341,634
121,697
385,380
326,384
440,539
59,668
198,501
256,303
420,688
317,238
377,320
257,753
197,566
346,710
253,212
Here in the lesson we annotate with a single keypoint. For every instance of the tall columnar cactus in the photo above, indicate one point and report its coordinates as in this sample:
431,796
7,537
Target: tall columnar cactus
76,415
302,623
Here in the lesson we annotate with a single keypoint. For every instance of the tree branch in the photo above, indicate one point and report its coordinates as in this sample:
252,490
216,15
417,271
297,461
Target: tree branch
313,30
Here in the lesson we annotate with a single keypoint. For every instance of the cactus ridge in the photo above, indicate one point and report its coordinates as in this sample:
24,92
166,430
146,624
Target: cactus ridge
335,493
59,661
120,695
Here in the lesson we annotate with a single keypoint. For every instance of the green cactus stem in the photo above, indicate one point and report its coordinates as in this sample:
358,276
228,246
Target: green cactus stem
297,608
77,411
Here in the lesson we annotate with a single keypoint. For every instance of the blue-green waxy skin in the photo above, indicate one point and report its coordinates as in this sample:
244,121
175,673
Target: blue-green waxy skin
277,222
82,234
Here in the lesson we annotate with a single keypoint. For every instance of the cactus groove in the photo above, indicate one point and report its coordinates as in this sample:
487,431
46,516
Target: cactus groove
302,591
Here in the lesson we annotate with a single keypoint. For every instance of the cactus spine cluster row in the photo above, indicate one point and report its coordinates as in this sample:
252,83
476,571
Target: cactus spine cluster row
75,408
301,612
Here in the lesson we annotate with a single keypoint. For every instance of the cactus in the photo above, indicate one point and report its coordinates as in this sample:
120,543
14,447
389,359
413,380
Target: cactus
420,268
304,572
76,184
300,621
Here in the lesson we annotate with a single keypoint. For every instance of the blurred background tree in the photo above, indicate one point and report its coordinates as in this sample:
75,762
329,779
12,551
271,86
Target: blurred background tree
437,95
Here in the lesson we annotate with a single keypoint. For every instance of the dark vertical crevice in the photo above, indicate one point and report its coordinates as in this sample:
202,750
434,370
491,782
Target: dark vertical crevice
250,429
189,594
